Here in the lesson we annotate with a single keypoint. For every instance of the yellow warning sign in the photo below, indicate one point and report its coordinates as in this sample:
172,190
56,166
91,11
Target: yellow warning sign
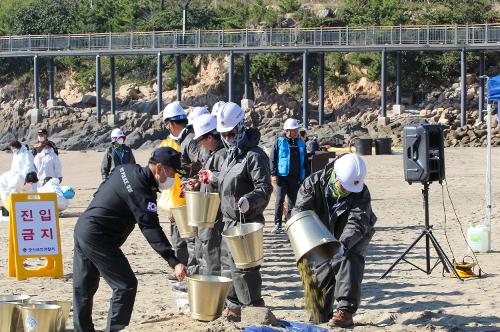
34,233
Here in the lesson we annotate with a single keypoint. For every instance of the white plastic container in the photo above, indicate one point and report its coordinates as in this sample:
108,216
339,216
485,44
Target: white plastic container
478,237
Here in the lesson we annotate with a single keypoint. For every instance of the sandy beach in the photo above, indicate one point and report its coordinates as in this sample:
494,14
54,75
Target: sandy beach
407,300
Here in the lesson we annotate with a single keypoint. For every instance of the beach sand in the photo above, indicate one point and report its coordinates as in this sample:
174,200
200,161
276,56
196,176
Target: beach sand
407,300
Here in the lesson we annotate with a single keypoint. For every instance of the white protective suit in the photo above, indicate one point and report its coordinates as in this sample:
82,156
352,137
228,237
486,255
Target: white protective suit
48,165
53,186
13,182
23,161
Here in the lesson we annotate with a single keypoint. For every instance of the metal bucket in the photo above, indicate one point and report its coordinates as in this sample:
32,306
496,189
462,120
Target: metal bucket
207,295
181,220
65,307
202,208
15,298
41,317
310,237
245,242
10,315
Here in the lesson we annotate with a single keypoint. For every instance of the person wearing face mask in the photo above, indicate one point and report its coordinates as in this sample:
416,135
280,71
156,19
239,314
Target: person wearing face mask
205,129
42,139
181,139
342,201
117,154
288,169
127,198
22,158
47,163
245,189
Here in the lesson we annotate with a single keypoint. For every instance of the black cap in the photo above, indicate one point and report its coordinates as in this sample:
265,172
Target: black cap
167,157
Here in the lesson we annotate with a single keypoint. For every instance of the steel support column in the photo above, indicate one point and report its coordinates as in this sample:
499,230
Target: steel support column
481,86
230,77
178,77
463,88
98,87
36,76
246,77
398,78
159,82
305,92
50,72
383,88
321,95
112,84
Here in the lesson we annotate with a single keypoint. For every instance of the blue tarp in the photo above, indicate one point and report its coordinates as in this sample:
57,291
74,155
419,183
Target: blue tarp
494,88
288,326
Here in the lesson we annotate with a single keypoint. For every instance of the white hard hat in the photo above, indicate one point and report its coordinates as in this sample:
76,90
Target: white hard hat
350,170
229,117
217,107
196,112
117,133
291,124
203,124
174,111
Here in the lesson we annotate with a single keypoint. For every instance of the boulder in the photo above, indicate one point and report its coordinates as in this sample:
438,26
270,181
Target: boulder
89,100
324,13
128,92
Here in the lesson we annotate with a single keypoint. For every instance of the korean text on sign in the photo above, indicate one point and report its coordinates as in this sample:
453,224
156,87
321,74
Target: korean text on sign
36,228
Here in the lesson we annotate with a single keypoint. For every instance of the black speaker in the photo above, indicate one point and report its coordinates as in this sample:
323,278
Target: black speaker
423,154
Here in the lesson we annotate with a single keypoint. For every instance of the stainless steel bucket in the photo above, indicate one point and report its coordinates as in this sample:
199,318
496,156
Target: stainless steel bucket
41,317
10,317
65,307
202,208
181,220
15,298
310,237
11,310
207,295
245,241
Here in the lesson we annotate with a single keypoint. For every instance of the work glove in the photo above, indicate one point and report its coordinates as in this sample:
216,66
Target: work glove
244,205
205,176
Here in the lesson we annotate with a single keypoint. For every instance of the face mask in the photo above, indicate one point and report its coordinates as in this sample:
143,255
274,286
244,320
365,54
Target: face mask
335,188
167,183
41,138
120,141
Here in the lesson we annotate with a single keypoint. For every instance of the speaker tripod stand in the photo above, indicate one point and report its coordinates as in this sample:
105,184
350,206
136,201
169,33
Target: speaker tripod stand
429,238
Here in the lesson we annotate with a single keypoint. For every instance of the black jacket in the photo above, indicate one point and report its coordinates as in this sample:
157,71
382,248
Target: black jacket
351,222
128,197
112,159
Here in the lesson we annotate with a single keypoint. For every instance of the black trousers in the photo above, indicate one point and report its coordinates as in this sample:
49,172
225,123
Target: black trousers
93,257
246,289
341,279
285,186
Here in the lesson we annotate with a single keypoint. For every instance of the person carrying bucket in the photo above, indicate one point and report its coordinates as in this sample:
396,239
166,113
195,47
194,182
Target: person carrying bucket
205,130
342,201
181,139
245,190
127,198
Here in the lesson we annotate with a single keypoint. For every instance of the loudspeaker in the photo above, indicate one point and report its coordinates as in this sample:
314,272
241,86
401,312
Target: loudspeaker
423,154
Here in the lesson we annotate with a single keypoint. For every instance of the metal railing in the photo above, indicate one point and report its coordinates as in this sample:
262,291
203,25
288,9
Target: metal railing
381,36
